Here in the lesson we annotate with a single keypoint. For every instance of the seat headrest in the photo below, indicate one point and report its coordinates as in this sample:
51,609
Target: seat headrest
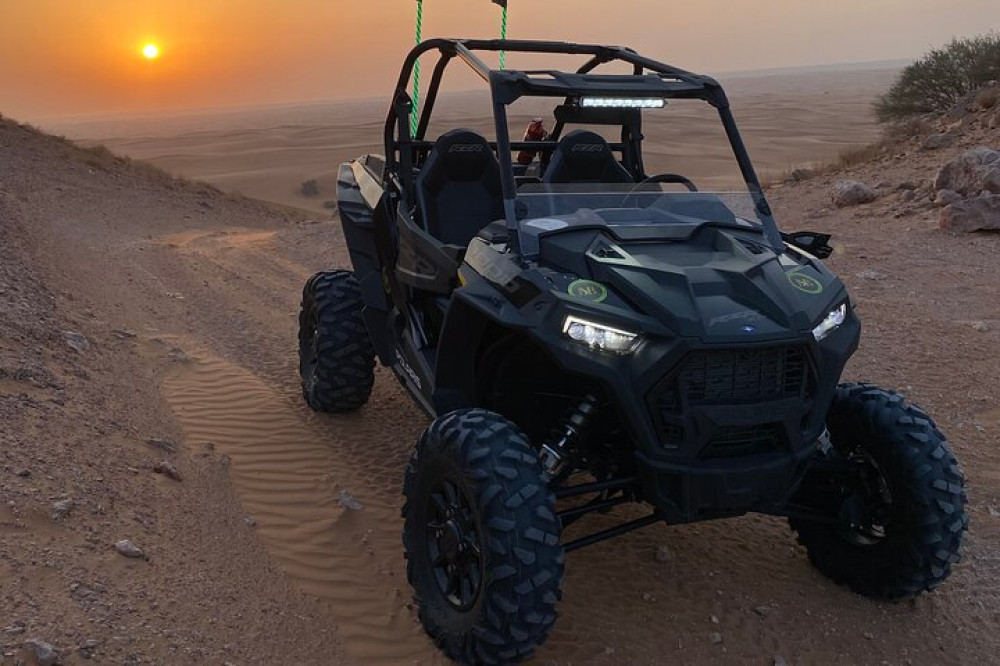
464,155
584,156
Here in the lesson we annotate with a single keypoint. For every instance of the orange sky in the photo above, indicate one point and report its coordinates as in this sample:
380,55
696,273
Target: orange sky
64,58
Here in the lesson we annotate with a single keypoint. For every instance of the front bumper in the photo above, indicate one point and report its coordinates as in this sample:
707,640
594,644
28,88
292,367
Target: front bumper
706,457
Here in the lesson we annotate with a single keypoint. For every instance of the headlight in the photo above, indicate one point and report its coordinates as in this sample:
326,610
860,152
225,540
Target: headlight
599,336
830,324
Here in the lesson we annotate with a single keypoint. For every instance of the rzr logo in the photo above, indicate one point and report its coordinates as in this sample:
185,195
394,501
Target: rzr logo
414,377
588,148
745,315
466,148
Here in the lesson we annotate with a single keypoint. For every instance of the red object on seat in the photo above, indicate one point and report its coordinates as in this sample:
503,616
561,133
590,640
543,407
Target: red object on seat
535,132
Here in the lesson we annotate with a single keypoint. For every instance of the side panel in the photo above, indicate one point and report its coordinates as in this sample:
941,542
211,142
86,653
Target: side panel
361,210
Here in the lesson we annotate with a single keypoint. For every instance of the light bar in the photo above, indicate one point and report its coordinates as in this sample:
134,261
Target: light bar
623,102
599,337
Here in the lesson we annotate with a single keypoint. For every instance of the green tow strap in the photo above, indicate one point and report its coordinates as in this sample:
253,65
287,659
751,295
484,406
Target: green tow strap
415,112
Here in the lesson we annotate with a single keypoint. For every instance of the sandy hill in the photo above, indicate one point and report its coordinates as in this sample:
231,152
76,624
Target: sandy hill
148,320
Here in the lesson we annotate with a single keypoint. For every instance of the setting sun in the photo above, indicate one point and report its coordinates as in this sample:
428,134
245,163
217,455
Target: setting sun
151,51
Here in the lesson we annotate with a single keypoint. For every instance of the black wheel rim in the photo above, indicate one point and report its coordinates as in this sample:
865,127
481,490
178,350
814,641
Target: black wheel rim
453,546
867,507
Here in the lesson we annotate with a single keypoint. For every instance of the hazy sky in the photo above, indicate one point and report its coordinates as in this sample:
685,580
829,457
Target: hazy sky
61,58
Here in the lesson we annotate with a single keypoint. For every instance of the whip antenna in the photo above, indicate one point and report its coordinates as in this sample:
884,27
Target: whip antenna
415,112
503,29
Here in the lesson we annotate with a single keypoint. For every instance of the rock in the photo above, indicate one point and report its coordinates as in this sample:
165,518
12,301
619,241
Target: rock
872,276
663,554
88,648
162,444
23,473
128,549
167,469
77,342
907,185
648,596
947,197
349,501
45,654
994,512
980,214
714,619
852,193
763,611
937,141
122,334
971,172
61,508
907,195
15,629
177,356
250,522
778,660
981,327
715,638
330,205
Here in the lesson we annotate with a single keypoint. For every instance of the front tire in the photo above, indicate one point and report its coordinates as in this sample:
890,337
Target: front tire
904,507
481,537
336,358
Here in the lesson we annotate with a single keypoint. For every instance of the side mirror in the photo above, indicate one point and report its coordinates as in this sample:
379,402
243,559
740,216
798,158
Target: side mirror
814,243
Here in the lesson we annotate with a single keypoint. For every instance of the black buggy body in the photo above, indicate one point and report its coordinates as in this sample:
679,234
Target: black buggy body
585,334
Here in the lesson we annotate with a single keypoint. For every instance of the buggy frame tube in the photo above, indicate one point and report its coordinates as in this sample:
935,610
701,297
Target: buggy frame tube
687,86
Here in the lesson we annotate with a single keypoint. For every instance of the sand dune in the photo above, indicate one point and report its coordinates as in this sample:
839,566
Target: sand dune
789,119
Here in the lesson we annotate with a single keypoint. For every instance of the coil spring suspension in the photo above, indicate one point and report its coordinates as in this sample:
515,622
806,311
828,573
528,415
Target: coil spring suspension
563,445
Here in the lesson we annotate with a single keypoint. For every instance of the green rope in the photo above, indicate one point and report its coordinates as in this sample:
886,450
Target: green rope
503,35
415,113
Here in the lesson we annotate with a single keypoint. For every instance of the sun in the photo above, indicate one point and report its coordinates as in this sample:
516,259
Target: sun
150,51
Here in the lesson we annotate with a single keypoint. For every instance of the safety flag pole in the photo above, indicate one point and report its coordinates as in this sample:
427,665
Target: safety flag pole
503,29
415,112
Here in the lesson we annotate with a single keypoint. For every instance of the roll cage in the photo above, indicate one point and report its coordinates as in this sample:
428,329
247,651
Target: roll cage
649,78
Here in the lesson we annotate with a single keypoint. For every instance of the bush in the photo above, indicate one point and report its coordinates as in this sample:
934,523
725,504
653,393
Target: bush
941,78
309,188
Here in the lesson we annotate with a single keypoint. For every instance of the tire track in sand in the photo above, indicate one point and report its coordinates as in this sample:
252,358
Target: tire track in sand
288,475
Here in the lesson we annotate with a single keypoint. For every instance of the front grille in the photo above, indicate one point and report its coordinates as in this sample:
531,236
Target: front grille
732,442
718,378
735,376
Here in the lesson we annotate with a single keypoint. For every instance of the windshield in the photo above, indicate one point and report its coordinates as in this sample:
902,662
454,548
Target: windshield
635,205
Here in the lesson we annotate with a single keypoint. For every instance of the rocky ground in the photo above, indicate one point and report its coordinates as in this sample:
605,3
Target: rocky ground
165,498
102,558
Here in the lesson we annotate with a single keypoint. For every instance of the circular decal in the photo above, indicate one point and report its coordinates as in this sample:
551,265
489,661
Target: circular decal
805,283
588,290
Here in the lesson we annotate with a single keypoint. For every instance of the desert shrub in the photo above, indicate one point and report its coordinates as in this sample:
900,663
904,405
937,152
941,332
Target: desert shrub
941,78
309,188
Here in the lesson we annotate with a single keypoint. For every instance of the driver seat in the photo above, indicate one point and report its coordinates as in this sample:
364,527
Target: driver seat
583,156
458,189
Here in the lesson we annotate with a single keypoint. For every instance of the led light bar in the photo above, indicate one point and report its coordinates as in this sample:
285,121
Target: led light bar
830,323
623,102
600,337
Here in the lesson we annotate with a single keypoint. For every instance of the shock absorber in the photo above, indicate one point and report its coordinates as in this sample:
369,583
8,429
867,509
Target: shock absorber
565,439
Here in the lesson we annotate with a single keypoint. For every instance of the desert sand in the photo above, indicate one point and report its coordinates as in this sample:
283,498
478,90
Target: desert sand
791,119
188,297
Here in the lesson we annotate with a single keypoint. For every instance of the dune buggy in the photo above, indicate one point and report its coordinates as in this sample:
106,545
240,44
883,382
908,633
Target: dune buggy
585,334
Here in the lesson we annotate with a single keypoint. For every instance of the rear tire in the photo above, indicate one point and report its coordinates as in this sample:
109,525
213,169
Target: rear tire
336,358
916,491
474,480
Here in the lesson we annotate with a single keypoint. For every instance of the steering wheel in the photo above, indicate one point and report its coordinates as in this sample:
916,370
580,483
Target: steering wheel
661,178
